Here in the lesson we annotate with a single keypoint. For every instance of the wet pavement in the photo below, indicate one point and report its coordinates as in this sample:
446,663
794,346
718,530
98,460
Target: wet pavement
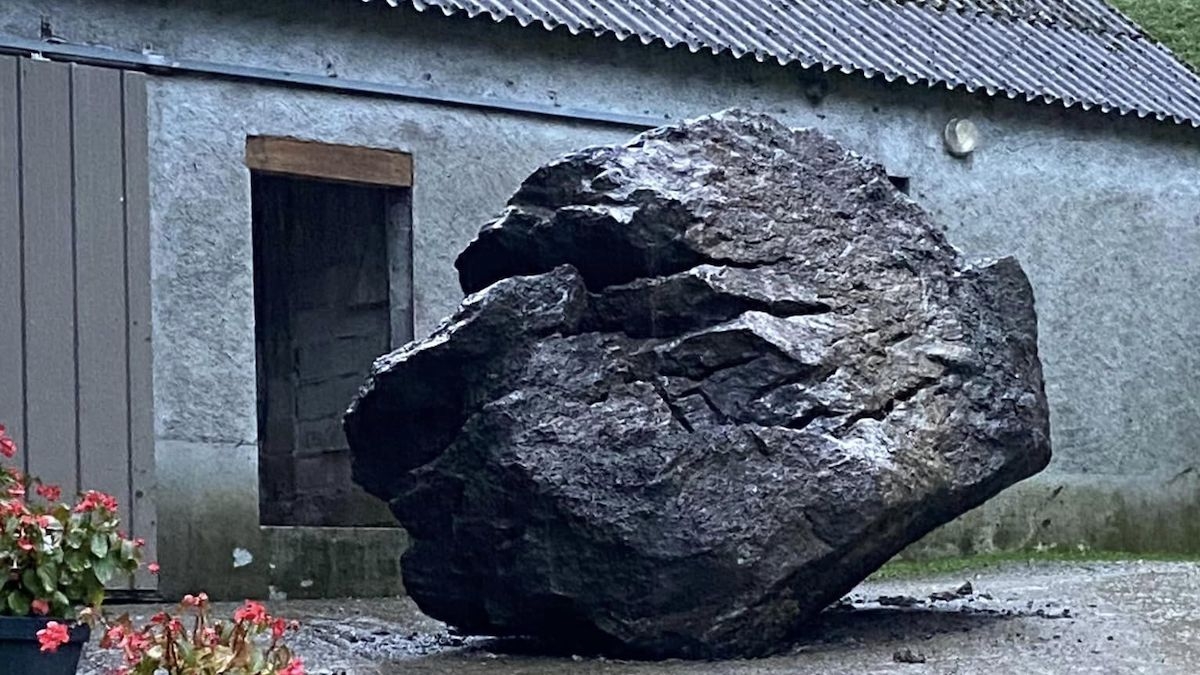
1136,617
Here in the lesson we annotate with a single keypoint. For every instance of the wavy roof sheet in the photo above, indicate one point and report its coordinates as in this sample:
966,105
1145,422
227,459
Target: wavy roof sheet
1076,52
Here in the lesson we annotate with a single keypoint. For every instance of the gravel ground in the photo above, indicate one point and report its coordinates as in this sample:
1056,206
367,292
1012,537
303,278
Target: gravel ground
1135,617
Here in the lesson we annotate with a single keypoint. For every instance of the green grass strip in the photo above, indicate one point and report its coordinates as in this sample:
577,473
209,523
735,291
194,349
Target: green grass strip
916,569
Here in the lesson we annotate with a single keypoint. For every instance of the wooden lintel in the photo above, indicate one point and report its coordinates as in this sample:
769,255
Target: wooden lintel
345,163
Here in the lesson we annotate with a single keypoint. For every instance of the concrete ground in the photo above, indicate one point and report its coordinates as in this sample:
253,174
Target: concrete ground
1021,618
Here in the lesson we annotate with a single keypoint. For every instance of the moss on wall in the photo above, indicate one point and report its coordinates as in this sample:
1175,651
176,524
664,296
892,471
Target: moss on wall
1176,23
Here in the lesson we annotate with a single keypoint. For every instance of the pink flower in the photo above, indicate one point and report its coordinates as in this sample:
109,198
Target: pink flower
296,667
24,544
40,607
50,493
198,600
278,626
252,612
16,491
135,645
43,521
152,568
139,542
53,636
8,447
114,636
13,508
94,500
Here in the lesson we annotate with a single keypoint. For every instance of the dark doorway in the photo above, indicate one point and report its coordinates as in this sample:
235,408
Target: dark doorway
324,295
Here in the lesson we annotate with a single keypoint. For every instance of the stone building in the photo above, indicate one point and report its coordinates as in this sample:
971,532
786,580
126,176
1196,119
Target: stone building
214,214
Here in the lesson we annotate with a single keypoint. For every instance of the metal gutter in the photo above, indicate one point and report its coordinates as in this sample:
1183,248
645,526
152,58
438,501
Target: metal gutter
161,65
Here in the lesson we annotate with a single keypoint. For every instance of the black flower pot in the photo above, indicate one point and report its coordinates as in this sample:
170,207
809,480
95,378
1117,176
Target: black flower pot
20,653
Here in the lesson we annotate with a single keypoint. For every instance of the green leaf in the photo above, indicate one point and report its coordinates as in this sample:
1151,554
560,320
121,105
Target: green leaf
18,602
76,561
104,570
186,650
60,600
48,573
74,538
31,582
100,544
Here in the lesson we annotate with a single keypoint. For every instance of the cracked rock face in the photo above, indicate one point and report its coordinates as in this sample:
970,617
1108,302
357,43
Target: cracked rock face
706,382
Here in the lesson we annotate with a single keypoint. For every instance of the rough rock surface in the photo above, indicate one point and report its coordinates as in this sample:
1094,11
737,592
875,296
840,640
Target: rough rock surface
706,383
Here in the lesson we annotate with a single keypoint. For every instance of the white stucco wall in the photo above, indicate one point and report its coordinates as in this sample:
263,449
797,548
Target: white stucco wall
1102,211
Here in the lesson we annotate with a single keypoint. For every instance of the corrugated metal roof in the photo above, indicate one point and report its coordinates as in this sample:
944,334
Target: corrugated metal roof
1077,52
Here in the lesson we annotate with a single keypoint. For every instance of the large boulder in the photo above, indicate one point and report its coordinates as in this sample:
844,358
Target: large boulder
706,383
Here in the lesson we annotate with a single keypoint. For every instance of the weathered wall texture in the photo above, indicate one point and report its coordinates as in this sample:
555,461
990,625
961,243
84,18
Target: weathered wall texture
1103,212
202,249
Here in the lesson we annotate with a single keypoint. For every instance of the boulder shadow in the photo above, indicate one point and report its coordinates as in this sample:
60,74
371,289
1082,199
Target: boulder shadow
835,628
874,625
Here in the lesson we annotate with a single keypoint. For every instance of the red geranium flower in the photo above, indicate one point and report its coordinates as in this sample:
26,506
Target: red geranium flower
50,493
134,645
53,636
93,500
12,508
114,636
8,447
252,612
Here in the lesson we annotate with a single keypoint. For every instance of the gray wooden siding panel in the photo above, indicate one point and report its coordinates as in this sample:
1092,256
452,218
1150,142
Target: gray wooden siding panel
49,272
12,361
75,359
137,288
96,118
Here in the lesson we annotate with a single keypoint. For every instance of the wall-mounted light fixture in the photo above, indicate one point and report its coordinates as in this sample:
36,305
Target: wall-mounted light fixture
961,137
